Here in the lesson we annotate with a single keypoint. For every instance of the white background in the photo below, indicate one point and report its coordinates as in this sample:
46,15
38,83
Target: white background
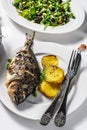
14,36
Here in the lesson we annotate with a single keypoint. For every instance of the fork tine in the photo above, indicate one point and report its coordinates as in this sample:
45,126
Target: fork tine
74,60
70,60
77,60
71,63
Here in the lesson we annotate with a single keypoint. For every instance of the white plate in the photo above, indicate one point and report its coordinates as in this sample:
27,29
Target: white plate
38,106
71,26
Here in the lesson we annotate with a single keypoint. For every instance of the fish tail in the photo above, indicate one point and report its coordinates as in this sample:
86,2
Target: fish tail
29,39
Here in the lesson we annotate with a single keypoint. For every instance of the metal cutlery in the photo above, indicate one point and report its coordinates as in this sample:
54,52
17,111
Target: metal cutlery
60,117
58,101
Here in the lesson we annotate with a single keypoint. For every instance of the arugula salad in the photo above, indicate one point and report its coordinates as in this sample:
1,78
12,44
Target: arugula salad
45,12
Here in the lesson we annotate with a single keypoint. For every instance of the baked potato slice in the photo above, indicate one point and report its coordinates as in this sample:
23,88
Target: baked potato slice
48,89
49,60
54,74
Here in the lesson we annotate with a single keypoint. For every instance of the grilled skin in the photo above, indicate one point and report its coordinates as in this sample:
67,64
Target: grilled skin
23,73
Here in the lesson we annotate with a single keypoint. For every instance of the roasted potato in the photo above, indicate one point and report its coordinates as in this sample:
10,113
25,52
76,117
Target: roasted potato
54,74
49,60
48,89
51,76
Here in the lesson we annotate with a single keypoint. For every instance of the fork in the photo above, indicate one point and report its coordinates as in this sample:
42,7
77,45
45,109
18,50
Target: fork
58,100
60,117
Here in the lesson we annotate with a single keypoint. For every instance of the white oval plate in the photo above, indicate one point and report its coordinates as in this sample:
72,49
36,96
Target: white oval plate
71,26
33,108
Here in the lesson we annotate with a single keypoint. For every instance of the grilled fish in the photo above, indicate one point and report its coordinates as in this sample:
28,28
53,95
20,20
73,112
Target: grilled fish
23,73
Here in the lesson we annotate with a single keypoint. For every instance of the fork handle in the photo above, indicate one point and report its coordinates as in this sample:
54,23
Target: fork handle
57,102
60,117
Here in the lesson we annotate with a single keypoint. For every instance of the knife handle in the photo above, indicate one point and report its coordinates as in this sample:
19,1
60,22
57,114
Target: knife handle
57,102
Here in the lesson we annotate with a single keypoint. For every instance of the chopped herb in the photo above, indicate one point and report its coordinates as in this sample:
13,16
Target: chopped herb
34,93
8,64
42,74
9,60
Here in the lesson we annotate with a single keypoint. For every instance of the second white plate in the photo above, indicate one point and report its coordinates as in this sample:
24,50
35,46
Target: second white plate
69,27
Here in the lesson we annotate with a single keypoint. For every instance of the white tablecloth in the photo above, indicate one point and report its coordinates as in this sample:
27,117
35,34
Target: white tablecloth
14,36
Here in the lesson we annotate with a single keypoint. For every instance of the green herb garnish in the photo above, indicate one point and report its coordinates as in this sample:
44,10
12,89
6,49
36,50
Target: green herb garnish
34,93
42,74
8,64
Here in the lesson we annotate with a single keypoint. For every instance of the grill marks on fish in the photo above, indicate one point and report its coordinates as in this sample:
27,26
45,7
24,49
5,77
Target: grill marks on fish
23,73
